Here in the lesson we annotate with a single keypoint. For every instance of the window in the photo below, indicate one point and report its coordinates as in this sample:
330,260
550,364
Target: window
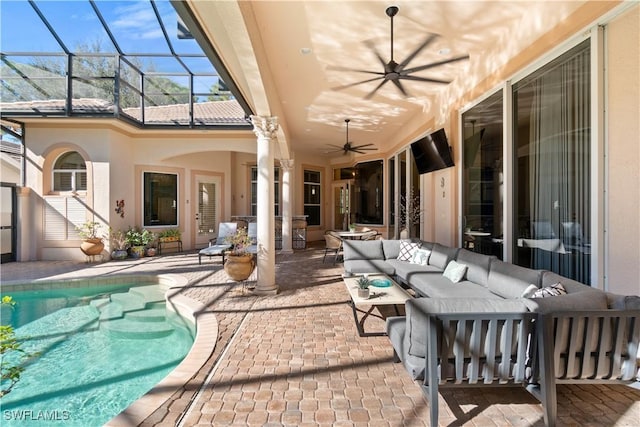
160,199
70,173
368,193
312,199
254,190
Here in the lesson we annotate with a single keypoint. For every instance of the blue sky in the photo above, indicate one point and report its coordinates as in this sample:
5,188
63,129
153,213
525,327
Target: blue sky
133,24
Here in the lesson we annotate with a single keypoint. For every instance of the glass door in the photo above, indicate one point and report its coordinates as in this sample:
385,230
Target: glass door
8,222
208,210
341,205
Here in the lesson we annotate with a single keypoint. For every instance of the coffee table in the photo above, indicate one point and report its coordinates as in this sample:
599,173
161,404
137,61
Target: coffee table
393,295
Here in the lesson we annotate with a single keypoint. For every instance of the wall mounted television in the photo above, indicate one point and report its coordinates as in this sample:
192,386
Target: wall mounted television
432,152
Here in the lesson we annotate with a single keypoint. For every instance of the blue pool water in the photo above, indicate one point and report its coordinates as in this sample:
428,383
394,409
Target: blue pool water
98,349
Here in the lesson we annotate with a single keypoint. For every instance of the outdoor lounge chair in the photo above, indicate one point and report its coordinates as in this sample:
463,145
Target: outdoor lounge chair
333,245
252,232
218,246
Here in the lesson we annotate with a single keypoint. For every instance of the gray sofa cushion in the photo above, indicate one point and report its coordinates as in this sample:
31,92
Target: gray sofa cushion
477,265
405,270
577,301
510,280
438,286
623,302
391,248
418,309
358,266
366,249
571,286
441,255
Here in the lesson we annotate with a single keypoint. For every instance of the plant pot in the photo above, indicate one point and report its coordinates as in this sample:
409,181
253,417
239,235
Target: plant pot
151,251
91,247
239,267
136,251
119,254
363,293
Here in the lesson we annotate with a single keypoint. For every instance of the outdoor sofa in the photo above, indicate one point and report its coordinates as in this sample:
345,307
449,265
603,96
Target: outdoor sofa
498,323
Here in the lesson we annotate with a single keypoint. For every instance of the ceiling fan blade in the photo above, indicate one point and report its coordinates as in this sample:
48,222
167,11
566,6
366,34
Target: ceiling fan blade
413,54
361,146
357,83
425,79
435,64
370,94
341,147
371,46
353,70
400,87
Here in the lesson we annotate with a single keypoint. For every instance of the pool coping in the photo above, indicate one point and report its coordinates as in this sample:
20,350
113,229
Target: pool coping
204,343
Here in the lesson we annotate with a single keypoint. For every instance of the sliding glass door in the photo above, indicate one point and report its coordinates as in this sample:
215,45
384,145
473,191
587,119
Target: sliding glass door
482,179
552,171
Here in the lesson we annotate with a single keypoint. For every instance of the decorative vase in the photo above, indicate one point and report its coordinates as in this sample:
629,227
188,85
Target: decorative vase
137,251
91,247
239,267
363,293
151,252
119,254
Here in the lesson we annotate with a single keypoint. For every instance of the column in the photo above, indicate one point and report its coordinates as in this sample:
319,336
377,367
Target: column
287,221
265,129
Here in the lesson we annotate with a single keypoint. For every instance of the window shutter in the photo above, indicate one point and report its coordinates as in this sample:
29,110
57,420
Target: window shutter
62,215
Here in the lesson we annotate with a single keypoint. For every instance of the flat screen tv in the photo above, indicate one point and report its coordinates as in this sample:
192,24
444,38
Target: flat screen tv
432,152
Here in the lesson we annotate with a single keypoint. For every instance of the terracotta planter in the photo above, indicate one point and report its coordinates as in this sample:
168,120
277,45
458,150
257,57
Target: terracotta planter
239,267
151,251
91,247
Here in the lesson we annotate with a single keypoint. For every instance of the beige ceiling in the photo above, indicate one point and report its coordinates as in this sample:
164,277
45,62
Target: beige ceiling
262,44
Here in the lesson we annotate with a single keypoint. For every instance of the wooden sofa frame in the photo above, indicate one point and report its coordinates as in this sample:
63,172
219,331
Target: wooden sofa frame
536,351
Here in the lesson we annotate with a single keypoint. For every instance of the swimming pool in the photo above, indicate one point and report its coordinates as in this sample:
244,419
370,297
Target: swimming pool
100,348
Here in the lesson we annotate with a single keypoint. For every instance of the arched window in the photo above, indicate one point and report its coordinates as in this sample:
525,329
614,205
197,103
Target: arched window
70,173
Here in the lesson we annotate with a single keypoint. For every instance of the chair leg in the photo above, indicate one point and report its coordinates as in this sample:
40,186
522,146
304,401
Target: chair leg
199,259
325,255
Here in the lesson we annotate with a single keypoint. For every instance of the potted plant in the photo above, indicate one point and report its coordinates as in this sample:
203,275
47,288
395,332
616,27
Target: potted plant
363,286
170,235
92,243
240,263
352,227
118,243
152,245
138,239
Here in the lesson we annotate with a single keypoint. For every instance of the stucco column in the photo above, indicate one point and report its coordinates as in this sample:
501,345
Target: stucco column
265,129
287,221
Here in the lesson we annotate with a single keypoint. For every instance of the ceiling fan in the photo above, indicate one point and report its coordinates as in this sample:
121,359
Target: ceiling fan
347,147
394,71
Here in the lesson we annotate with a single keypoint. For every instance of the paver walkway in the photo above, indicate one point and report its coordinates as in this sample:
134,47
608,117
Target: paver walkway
296,358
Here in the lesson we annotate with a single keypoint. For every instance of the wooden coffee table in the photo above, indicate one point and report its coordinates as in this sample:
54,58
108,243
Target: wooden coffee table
393,295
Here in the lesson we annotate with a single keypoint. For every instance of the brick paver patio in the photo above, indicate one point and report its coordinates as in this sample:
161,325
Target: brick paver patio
296,358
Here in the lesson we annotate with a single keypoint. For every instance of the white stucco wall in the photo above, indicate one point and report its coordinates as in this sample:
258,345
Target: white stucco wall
622,263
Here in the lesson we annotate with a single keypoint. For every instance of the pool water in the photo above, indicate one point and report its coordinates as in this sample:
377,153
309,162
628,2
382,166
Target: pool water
98,349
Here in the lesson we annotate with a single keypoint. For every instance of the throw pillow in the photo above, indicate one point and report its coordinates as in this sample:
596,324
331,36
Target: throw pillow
420,257
406,250
455,271
531,289
550,291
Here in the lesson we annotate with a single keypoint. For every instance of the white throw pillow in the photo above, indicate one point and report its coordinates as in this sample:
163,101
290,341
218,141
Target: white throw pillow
406,250
531,289
420,256
550,291
455,271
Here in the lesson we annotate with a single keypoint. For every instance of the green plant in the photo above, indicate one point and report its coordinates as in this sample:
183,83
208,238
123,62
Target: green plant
364,282
139,237
239,241
170,233
11,353
118,240
89,230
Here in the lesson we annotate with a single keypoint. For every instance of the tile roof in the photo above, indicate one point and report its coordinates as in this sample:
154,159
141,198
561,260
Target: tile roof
204,113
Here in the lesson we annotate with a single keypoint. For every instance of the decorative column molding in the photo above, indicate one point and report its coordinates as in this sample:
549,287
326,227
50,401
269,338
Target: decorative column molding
265,129
287,221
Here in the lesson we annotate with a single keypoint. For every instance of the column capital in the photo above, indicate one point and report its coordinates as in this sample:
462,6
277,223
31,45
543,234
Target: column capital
286,164
264,127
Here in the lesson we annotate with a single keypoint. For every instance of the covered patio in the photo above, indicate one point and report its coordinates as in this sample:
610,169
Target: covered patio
296,358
